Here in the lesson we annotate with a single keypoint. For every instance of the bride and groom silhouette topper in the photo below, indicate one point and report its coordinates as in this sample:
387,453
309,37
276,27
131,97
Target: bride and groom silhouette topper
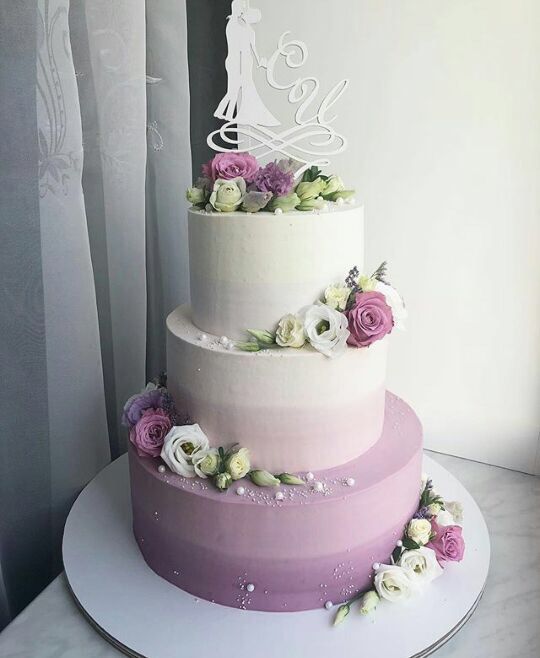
248,122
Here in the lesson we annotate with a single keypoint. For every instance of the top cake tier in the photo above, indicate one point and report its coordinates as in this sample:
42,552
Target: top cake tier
247,271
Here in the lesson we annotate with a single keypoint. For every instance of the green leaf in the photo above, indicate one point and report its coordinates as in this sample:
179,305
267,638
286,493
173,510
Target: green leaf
396,554
292,480
262,337
410,544
311,174
250,346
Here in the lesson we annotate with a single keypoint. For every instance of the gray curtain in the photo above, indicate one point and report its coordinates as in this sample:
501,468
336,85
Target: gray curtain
92,249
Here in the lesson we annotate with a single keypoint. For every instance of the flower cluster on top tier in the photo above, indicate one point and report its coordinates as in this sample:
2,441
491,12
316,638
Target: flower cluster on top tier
154,431
358,312
432,537
235,181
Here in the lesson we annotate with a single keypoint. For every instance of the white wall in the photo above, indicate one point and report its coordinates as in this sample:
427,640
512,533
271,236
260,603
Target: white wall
443,119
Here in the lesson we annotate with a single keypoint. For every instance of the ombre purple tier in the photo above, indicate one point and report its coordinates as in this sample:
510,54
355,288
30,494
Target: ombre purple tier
312,547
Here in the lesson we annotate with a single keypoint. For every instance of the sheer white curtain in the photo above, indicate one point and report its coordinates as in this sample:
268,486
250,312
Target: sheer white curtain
92,250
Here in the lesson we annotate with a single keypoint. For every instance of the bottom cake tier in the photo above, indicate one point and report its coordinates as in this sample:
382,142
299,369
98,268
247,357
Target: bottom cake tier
281,548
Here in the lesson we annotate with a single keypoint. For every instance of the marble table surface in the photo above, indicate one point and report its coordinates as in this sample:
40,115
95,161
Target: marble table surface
506,624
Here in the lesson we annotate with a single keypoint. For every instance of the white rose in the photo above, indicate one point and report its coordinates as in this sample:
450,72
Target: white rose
290,331
393,299
419,530
325,328
456,510
206,462
181,446
444,518
336,296
394,583
237,464
422,564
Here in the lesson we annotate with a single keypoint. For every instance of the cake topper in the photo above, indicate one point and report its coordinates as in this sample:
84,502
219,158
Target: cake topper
249,125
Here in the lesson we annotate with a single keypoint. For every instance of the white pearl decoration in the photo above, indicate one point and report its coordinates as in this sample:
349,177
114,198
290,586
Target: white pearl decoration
240,491
310,477
250,587
161,468
279,495
340,201
319,486
328,605
399,543
376,565
278,211
350,482
203,338
224,341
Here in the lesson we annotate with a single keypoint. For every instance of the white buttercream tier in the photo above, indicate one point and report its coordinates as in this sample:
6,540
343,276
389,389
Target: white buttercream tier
294,409
247,271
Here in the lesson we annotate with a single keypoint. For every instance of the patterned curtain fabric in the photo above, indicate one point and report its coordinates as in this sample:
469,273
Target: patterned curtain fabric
92,249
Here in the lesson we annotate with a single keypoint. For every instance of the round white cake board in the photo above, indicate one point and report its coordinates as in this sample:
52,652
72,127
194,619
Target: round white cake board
144,615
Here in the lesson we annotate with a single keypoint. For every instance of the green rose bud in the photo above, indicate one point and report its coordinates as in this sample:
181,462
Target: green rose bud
311,204
309,190
342,612
370,601
263,479
195,195
206,462
227,195
263,337
285,203
342,194
223,481
287,478
332,185
237,464
249,346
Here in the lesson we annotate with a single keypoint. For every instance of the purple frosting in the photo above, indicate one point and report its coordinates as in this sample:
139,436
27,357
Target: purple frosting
272,178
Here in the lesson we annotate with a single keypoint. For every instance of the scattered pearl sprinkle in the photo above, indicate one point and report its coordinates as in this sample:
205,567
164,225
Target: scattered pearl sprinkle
279,495
161,468
340,201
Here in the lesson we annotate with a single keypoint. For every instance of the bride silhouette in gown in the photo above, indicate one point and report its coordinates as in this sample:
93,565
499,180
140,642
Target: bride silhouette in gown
242,103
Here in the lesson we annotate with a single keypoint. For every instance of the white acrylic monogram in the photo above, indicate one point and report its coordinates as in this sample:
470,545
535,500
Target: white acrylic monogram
249,123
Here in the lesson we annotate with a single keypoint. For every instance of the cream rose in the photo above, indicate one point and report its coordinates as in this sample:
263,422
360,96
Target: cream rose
393,299
290,331
336,296
422,564
394,583
237,464
419,530
326,329
206,462
180,447
228,195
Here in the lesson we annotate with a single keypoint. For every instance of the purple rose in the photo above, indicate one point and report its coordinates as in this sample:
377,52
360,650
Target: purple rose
231,164
156,398
150,431
370,319
448,543
273,178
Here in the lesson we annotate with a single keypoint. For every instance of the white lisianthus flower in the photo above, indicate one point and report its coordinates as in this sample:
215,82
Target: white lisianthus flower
419,530
290,331
325,328
393,299
227,195
422,564
456,510
394,583
180,447
206,462
237,464
336,296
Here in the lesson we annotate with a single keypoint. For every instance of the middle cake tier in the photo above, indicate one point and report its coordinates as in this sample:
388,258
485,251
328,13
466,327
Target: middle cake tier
293,409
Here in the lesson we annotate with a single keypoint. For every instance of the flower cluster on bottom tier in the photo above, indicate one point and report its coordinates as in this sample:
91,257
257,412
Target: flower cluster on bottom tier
286,549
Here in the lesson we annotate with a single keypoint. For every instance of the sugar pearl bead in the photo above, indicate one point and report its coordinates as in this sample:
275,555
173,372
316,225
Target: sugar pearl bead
240,491
161,468
278,211
250,587
350,482
279,495
203,337
376,565
224,341
399,543
310,477
328,605
318,486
